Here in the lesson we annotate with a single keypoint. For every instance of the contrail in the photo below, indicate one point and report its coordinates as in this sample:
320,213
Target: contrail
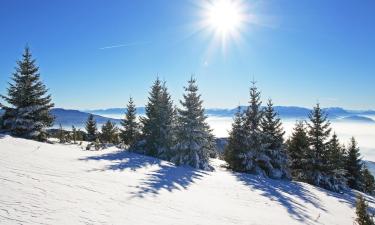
125,45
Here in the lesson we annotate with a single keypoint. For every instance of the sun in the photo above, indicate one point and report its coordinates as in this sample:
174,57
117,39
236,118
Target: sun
225,18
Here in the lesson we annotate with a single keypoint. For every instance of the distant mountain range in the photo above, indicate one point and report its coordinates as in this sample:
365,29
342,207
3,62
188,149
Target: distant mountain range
69,117
283,111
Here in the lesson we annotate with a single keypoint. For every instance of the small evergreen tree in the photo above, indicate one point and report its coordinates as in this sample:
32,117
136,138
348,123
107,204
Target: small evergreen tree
236,142
61,135
368,185
273,131
28,113
363,216
74,134
91,128
131,130
109,133
354,165
194,138
298,148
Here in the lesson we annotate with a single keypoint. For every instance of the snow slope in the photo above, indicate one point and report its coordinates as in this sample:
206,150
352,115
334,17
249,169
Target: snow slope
62,184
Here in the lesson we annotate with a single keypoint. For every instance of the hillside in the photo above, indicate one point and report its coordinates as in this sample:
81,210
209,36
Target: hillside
62,184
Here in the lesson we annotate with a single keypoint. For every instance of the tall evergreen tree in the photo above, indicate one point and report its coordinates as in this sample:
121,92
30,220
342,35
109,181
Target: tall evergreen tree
273,131
131,130
194,138
28,113
363,216
254,159
157,124
318,131
236,142
109,133
91,128
336,154
354,165
298,148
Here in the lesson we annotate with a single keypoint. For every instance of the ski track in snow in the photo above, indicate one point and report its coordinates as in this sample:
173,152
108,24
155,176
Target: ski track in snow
62,184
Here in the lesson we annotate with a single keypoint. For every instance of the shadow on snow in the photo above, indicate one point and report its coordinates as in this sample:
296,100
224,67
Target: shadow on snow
165,176
292,196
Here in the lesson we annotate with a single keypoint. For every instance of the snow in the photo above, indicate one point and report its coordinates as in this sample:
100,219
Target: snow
63,184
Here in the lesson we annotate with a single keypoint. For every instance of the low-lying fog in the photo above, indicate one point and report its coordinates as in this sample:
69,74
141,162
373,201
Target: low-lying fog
363,132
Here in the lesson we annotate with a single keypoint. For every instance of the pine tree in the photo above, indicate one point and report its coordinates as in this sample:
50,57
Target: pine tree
335,164
363,216
157,124
74,134
131,130
194,138
91,128
368,185
298,149
236,142
273,131
318,132
61,135
109,133
354,165
29,112
255,160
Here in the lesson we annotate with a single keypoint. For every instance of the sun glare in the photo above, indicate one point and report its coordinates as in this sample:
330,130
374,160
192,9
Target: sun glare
225,18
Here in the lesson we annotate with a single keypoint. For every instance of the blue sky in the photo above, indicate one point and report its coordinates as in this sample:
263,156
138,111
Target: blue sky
300,52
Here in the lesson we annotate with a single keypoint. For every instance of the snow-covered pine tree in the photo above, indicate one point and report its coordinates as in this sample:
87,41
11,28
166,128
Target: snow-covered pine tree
91,128
368,183
236,142
298,149
272,129
354,166
318,132
255,160
157,123
194,138
131,129
361,210
336,163
109,133
28,113
168,126
61,135
74,134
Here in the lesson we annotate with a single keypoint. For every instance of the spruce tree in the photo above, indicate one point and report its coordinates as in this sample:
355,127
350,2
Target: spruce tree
194,138
354,165
254,160
61,135
273,131
318,131
74,134
131,130
91,128
28,111
109,133
363,216
236,142
157,124
298,149
368,185
335,164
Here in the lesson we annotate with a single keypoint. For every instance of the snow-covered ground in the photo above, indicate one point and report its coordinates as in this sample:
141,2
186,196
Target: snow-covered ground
62,184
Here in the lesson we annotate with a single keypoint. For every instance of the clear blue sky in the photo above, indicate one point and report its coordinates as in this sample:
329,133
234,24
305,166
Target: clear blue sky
300,52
